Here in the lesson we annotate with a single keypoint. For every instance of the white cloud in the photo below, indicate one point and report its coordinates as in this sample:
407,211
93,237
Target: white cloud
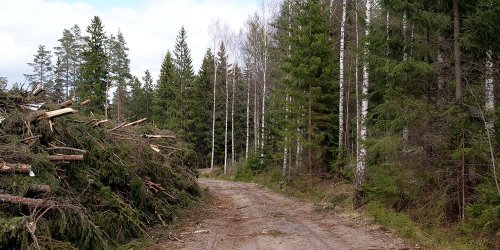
150,28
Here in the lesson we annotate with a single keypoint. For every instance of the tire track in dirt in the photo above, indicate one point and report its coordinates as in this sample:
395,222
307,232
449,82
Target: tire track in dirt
245,216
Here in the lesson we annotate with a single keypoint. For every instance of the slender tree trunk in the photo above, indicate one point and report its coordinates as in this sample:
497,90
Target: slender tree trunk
298,156
440,67
232,115
255,118
360,170
457,52
405,57
356,81
213,115
309,129
341,78
285,148
225,123
106,102
405,24
247,142
74,82
264,79
119,102
489,109
489,90
67,80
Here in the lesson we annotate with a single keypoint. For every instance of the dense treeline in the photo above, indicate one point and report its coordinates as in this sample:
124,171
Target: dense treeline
397,96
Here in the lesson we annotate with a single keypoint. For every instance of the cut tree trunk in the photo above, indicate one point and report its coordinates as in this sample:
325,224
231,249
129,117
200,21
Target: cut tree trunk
134,123
66,104
39,89
95,125
59,112
6,198
17,168
159,136
65,157
84,103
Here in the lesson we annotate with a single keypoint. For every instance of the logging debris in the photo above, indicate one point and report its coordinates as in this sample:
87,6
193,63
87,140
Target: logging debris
113,185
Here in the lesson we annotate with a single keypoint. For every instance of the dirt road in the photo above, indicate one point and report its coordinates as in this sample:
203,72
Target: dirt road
245,216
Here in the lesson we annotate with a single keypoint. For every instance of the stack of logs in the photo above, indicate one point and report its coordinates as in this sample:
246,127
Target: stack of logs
57,149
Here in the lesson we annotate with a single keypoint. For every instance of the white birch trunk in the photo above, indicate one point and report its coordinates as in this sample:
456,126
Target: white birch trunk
247,142
341,77
298,160
256,125
404,35
406,131
264,75
285,148
489,109
213,114
360,170
232,114
489,87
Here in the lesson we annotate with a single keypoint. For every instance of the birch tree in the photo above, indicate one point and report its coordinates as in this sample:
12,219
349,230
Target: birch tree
341,76
214,32
361,165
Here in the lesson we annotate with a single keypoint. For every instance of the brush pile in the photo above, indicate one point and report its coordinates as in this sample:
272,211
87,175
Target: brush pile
68,180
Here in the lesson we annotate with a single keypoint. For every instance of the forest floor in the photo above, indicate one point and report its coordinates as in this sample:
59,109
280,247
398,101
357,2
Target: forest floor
246,216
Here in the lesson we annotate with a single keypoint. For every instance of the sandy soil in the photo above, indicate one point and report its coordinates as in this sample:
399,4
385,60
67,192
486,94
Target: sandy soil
245,216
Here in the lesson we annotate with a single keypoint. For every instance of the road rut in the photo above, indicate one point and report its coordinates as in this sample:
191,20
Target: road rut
246,216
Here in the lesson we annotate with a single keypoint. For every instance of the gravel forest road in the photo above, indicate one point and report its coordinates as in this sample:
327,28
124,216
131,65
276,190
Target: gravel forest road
245,216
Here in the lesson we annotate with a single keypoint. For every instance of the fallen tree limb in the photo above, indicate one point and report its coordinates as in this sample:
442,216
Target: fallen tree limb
7,198
91,121
59,112
96,124
30,138
159,136
65,157
154,148
18,168
83,151
39,89
85,102
33,106
117,127
134,123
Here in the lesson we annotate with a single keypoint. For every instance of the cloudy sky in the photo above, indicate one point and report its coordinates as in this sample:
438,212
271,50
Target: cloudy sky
149,26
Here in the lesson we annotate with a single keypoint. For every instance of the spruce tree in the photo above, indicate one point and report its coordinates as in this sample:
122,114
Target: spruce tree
184,77
165,114
67,54
120,75
202,95
94,68
147,95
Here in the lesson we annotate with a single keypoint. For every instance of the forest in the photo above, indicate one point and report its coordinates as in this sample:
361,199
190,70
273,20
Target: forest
396,97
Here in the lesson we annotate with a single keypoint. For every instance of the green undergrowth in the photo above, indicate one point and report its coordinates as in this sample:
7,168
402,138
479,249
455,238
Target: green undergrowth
118,192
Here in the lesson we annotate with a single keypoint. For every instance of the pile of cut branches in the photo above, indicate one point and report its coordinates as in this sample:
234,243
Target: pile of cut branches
69,180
